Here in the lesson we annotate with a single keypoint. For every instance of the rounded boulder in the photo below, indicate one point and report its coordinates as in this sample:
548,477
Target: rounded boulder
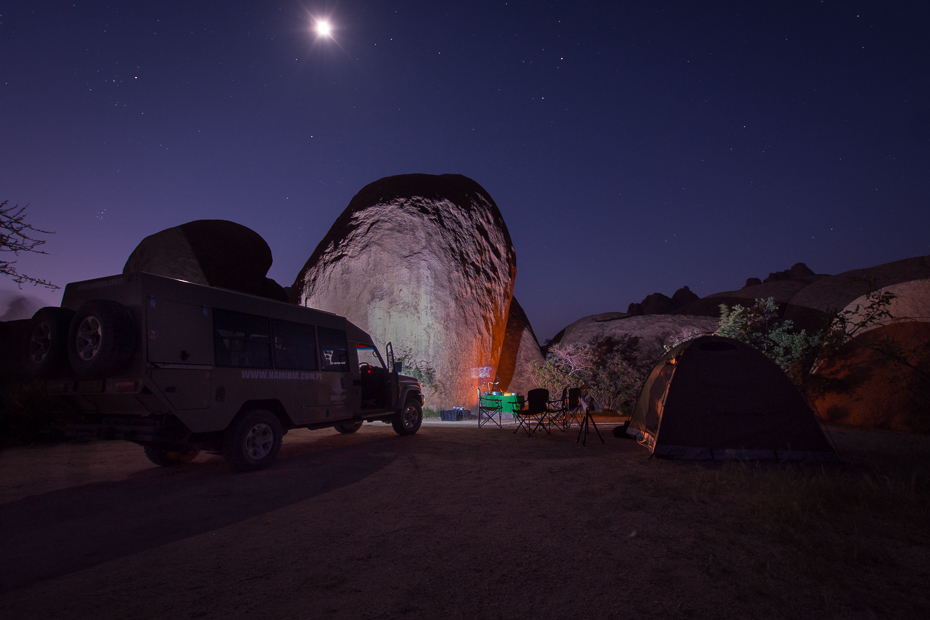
425,262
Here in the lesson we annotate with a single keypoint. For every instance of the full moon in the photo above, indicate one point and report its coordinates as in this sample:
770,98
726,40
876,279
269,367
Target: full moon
323,28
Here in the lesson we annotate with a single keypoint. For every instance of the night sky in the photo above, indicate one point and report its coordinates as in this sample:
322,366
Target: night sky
632,147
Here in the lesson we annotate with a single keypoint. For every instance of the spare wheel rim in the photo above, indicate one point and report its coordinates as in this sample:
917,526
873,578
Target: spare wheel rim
258,441
88,338
40,343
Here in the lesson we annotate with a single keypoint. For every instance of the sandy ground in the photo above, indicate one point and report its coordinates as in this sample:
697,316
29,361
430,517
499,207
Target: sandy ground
454,522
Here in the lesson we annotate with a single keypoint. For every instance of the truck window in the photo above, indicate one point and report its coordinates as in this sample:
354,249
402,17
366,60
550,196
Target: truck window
241,340
294,345
369,355
333,349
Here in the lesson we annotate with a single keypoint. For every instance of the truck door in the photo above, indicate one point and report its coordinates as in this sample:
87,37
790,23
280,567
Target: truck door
180,351
394,387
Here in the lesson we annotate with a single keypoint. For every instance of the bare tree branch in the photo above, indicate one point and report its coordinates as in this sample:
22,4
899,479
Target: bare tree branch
15,237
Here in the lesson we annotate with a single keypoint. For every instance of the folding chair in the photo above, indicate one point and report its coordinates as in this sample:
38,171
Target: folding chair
537,408
557,410
574,408
487,408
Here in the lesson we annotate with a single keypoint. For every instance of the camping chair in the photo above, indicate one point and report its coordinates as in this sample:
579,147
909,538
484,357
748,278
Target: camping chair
536,410
487,408
574,408
557,410
583,431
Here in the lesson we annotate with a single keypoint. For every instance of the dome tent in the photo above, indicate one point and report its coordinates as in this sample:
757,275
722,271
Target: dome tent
718,398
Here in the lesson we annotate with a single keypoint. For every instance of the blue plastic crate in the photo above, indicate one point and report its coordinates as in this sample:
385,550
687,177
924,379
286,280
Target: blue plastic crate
455,415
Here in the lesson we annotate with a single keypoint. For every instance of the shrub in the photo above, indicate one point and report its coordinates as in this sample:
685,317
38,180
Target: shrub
760,326
606,367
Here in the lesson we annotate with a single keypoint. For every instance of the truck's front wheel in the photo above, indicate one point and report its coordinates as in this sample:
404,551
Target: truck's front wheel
252,441
408,420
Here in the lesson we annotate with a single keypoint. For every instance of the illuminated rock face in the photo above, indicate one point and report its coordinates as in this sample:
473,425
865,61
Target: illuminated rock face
862,385
520,348
425,262
211,252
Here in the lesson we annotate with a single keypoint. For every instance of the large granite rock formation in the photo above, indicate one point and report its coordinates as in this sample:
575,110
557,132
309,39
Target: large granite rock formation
211,252
654,331
520,349
425,262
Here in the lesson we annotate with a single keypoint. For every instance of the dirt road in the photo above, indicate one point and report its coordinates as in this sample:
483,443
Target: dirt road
449,523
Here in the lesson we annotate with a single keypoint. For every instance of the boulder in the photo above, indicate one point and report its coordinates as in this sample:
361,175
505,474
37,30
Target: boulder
211,252
862,385
426,262
654,331
911,303
519,349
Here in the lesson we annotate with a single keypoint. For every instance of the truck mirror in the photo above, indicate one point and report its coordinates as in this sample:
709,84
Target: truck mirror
398,367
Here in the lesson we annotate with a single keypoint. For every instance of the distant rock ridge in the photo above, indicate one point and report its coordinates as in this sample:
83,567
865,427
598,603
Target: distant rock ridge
798,271
657,303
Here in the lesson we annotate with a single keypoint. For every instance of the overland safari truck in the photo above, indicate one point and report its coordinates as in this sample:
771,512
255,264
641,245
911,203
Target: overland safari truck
178,368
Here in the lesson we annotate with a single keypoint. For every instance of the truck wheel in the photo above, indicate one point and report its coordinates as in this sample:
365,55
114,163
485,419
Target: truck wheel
101,340
45,354
347,428
252,441
408,420
170,457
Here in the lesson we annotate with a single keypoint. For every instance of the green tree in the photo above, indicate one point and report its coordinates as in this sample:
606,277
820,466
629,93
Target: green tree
760,326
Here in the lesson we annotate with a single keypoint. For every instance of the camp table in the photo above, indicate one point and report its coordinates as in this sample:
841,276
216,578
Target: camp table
508,402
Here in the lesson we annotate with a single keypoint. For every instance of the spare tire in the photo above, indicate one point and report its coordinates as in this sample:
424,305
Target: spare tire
45,352
101,340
